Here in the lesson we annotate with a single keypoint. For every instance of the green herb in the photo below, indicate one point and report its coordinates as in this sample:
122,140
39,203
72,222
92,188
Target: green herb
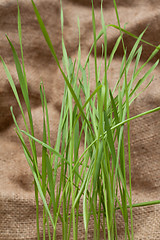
92,185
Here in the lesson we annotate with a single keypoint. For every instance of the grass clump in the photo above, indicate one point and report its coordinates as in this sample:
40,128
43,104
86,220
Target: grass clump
93,183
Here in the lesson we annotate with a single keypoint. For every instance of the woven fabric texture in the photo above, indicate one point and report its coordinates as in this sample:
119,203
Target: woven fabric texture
17,204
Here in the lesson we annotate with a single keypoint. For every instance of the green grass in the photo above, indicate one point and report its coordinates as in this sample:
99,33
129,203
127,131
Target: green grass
93,184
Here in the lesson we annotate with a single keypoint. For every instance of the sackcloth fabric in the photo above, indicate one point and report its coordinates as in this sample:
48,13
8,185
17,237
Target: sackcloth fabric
17,204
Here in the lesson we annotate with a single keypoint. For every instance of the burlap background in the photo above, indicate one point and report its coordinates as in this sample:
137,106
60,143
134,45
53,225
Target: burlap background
17,206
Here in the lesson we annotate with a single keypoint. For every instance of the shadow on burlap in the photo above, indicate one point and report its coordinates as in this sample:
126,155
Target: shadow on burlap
17,205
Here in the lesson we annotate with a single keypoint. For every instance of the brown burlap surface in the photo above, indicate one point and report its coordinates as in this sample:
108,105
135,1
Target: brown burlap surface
17,205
